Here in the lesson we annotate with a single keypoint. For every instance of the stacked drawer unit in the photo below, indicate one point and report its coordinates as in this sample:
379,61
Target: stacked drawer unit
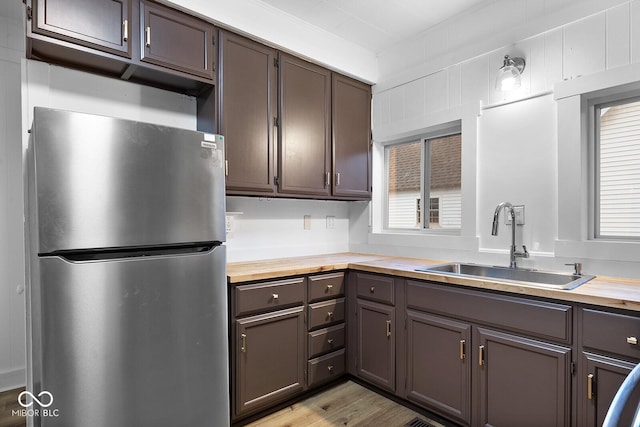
326,328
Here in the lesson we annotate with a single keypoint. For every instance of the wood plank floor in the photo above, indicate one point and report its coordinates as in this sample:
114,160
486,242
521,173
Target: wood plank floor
347,404
9,402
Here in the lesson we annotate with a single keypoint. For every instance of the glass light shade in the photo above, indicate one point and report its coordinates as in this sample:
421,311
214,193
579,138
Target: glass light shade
509,75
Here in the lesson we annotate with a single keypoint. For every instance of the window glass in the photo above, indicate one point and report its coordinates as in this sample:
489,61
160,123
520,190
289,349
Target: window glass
425,170
618,170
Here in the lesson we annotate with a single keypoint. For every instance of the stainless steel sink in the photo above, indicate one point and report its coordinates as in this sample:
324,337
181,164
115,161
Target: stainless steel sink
546,279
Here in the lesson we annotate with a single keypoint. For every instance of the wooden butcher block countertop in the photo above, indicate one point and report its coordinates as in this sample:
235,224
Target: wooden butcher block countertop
604,291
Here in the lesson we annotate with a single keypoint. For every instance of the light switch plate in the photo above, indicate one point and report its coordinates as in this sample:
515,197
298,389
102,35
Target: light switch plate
519,210
331,221
307,222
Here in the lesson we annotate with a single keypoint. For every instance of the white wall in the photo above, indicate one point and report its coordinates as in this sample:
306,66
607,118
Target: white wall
274,228
448,74
12,315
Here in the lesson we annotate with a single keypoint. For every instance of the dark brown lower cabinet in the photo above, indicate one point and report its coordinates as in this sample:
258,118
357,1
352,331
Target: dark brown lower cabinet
376,348
521,382
271,362
439,364
604,377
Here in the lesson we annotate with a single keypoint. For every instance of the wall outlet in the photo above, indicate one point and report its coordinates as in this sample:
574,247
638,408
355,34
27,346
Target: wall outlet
307,222
519,210
229,223
331,221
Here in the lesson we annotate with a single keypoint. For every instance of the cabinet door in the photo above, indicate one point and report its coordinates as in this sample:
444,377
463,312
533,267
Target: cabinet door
248,79
100,24
305,103
521,382
439,365
351,126
269,359
606,376
376,344
175,40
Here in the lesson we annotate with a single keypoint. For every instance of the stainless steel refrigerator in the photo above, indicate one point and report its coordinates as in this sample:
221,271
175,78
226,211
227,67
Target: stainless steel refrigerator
126,276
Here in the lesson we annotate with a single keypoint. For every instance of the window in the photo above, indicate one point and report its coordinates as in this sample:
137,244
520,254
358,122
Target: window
617,169
428,170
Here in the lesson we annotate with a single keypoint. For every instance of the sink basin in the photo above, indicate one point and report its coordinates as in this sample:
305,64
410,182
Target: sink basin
546,279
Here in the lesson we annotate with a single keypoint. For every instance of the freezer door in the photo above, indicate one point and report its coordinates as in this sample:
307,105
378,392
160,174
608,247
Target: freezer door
98,182
132,342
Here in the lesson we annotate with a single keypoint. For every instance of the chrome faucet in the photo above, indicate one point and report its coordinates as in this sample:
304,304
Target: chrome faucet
513,254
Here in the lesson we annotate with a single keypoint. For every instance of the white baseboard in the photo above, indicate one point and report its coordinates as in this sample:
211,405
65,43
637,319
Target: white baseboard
12,379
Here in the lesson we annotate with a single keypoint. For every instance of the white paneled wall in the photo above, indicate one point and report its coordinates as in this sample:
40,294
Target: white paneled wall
438,76
598,42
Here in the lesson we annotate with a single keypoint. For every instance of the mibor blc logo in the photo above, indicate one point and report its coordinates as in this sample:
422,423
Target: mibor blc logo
35,406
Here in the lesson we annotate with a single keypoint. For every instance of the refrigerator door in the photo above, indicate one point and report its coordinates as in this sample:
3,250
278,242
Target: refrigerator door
132,342
102,183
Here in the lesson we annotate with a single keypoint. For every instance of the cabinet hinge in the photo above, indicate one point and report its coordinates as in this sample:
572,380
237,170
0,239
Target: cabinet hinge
573,367
213,39
29,13
276,180
213,66
276,62
276,122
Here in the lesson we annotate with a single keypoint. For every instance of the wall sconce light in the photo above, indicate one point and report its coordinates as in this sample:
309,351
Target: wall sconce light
509,74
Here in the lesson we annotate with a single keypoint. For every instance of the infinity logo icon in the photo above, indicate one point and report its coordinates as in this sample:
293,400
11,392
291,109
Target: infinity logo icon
34,398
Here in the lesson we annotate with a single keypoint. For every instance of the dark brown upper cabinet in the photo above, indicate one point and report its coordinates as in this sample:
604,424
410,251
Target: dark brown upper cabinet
305,126
248,107
98,24
351,126
176,40
135,40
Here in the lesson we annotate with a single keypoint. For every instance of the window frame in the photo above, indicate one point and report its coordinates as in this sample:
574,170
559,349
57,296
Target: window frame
595,105
424,194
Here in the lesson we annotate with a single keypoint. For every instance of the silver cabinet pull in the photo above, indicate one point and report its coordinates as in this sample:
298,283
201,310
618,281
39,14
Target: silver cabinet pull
372,289
388,328
590,386
243,346
330,341
338,179
632,340
327,179
330,368
329,287
125,30
275,297
481,355
462,350
147,36
330,315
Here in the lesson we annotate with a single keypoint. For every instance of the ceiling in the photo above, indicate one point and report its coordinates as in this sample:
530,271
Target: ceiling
373,24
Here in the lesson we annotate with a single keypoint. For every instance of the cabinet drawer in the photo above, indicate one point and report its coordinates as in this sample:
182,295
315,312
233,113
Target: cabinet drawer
326,340
375,288
326,368
326,286
325,313
269,296
611,332
532,317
